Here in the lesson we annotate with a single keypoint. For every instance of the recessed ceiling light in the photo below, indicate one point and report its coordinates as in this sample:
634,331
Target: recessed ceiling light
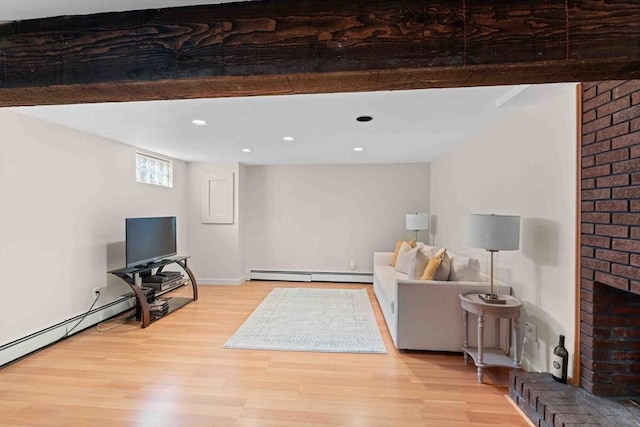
364,118
358,148
246,150
199,122
288,138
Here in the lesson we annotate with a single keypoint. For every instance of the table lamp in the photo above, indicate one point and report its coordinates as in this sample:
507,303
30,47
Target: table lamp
494,233
417,221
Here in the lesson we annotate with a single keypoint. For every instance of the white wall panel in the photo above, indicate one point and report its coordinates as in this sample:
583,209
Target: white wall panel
217,198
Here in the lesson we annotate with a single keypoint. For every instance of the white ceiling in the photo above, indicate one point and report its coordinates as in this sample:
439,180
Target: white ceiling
407,126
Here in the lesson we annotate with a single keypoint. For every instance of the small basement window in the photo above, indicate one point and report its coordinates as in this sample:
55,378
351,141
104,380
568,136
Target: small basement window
153,170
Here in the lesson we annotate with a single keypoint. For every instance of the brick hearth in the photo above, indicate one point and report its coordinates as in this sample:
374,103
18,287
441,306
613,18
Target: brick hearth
551,404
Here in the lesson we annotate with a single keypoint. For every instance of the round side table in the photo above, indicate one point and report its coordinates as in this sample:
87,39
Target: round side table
491,356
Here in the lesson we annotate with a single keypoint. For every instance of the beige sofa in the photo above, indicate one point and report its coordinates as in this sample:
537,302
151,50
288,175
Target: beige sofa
426,314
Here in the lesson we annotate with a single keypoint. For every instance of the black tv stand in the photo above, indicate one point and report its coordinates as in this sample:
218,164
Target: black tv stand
133,277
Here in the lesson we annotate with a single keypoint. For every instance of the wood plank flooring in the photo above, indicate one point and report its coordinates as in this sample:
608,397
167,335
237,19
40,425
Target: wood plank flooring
176,373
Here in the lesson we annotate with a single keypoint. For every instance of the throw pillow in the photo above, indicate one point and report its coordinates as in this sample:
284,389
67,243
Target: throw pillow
442,273
464,269
473,275
433,266
405,258
417,265
395,253
410,244
430,251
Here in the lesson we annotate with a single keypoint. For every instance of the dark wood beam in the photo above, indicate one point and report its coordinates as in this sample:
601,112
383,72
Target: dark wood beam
308,46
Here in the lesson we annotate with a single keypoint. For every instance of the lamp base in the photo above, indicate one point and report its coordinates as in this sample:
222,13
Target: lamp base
492,299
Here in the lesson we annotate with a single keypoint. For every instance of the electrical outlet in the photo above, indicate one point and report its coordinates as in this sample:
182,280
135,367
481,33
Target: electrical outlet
531,332
353,264
96,291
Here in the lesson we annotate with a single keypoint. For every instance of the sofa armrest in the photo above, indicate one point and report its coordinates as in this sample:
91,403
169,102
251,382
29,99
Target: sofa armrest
501,288
382,258
429,314
440,282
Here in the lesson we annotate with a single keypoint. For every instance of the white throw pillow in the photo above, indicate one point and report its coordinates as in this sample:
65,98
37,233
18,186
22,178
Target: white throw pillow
474,270
405,247
435,251
418,264
405,259
464,269
429,251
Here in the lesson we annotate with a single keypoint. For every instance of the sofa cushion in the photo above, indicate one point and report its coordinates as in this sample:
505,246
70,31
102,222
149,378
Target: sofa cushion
405,258
464,269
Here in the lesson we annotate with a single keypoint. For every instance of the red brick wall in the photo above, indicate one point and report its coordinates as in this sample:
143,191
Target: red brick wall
610,246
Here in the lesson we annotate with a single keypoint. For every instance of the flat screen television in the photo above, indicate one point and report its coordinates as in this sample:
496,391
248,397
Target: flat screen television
149,239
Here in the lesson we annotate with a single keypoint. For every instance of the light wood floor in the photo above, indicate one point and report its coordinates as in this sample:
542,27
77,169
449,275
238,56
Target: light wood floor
176,373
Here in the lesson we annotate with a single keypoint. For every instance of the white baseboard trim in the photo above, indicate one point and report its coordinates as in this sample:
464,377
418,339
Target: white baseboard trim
33,342
283,276
312,276
342,277
231,282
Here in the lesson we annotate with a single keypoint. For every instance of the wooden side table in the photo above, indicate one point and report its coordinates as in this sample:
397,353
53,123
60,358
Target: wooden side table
491,356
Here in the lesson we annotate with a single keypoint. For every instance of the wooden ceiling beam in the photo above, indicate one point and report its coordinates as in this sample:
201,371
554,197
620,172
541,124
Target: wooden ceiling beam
282,47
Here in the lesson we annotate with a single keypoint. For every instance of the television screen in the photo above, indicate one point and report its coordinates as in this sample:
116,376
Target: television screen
149,239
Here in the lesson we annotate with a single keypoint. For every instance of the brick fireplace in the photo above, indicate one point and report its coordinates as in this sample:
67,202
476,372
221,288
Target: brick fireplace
610,242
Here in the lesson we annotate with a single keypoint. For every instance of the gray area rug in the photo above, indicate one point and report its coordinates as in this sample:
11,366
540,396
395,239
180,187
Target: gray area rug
311,319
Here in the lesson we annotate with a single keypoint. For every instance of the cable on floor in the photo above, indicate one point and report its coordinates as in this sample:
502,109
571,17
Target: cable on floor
123,318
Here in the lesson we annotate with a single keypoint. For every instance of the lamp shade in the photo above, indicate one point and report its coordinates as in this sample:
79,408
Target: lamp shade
494,232
417,221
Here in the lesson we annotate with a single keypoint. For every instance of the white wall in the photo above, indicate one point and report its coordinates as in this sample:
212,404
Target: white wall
64,196
217,250
523,166
318,218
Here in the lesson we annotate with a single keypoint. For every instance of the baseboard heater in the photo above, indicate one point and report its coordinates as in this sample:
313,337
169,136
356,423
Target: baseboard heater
24,346
312,276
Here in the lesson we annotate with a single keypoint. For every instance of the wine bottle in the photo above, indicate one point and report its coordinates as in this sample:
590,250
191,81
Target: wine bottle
559,362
